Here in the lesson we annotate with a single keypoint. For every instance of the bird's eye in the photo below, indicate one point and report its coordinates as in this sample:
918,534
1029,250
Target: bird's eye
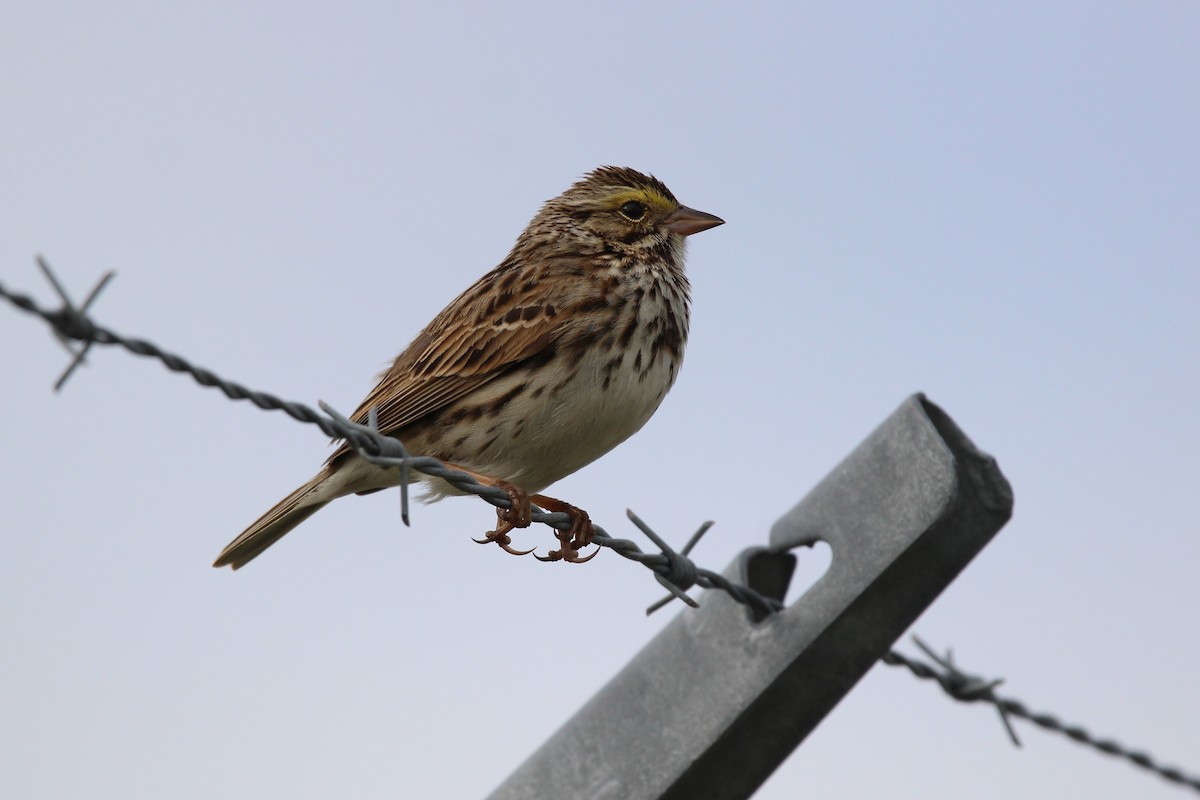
633,211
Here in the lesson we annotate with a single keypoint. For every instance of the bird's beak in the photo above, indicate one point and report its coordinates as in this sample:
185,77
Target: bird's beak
686,221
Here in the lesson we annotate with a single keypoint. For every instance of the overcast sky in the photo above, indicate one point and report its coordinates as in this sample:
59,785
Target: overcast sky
995,203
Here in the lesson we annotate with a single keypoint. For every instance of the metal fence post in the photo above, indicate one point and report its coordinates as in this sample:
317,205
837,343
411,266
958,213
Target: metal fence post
713,704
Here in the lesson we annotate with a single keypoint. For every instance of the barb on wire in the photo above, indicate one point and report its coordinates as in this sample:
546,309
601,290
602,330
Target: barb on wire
971,689
73,316
682,573
674,570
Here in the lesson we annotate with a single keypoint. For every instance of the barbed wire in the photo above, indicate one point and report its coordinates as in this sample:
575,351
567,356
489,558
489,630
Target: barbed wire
674,570
968,688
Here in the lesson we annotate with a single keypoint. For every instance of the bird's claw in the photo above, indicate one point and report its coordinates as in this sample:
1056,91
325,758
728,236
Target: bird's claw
568,554
500,537
574,538
520,511
518,515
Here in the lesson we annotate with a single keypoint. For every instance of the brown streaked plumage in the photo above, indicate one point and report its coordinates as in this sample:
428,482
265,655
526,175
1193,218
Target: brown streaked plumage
546,363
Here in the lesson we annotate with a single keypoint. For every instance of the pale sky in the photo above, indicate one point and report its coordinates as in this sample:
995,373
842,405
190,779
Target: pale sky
995,203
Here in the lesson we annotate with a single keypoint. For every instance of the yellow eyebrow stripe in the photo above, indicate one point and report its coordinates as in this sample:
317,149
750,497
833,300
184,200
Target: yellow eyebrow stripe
652,199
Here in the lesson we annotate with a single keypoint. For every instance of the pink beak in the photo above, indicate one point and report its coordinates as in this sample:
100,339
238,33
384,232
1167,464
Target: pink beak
686,221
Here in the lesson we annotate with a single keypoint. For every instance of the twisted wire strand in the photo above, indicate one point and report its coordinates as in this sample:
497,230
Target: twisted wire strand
674,570
971,689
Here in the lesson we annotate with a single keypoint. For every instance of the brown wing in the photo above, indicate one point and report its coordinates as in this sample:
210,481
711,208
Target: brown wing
501,321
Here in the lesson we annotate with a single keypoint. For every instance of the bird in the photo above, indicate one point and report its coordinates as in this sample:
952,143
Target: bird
546,363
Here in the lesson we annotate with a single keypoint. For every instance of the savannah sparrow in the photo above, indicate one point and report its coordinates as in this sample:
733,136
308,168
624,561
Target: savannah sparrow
545,364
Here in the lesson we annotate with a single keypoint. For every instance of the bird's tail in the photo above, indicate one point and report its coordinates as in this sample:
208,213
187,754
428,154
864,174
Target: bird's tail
273,525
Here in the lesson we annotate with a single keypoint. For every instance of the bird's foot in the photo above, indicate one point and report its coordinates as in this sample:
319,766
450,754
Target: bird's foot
574,538
518,515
